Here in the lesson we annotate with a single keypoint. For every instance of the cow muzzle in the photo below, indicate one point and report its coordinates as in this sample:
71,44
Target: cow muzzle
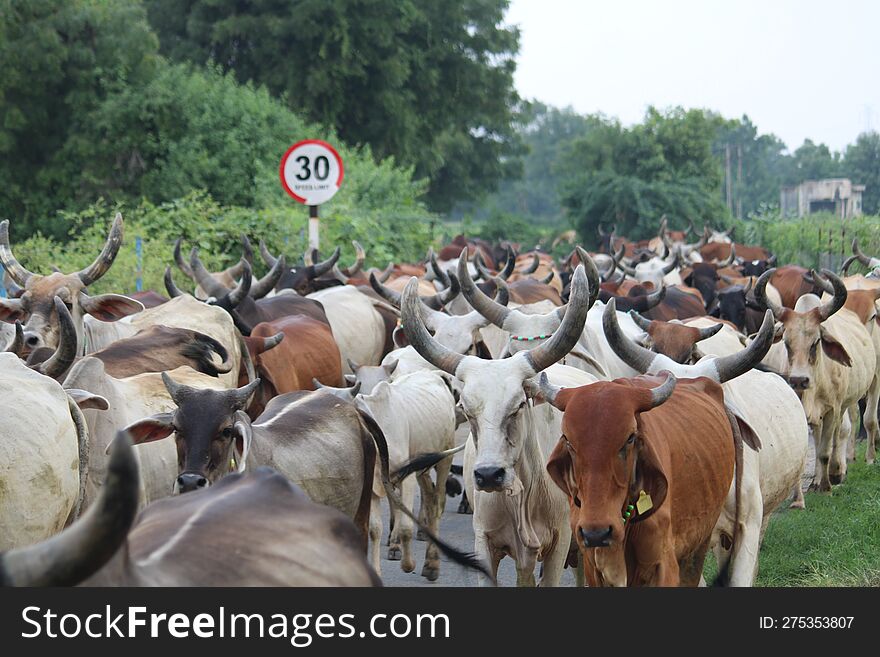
190,481
594,538
489,479
799,382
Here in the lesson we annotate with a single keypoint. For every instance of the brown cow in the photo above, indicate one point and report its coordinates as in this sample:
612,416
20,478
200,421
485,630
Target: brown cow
677,341
287,354
793,282
721,251
646,465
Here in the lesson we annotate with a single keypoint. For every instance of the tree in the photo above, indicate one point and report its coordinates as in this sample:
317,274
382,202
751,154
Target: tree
812,162
428,82
58,60
861,163
633,176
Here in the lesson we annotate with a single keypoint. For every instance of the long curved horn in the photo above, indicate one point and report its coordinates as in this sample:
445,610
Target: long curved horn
664,391
509,264
549,277
655,298
170,287
569,332
642,322
667,269
532,268
730,258
247,255
494,312
17,341
263,286
690,228
360,256
634,355
844,269
322,268
108,254
272,341
599,230
418,336
709,331
178,258
836,303
857,252
13,267
338,275
240,291
543,387
761,293
65,352
386,273
309,256
13,289
209,284
267,257
434,302
730,367
438,271
592,273
823,283
629,271
80,550
481,267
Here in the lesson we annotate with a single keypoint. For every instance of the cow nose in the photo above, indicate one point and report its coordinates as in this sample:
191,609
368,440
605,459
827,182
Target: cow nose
596,537
799,382
189,481
488,478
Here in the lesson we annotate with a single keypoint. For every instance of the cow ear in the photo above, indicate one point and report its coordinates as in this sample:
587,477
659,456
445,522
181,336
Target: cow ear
833,349
109,307
778,332
560,469
244,436
350,378
652,478
10,310
85,399
399,338
149,429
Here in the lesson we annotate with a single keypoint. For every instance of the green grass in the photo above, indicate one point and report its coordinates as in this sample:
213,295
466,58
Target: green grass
835,541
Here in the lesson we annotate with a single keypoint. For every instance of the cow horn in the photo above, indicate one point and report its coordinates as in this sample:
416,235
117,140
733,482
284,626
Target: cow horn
352,365
730,367
272,341
494,312
761,293
309,256
247,254
814,279
16,271
532,268
418,336
709,331
667,268
240,396
655,298
666,247
601,232
108,254
634,355
178,258
481,267
690,228
549,277
360,256
569,332
664,391
630,271
240,291
543,387
857,252
749,286
386,273
836,303
13,289
392,296
509,264
338,275
339,392
267,257
266,284
438,271
642,322
322,268
178,391
80,550
65,352
592,273
209,284
170,287
844,269
730,258
17,341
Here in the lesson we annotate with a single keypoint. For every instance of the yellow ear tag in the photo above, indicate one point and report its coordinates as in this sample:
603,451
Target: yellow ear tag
644,503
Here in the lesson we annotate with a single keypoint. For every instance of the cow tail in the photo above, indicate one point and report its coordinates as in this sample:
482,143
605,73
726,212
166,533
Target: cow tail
723,577
421,462
467,559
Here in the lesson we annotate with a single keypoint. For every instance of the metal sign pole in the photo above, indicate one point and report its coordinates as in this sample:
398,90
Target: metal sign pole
314,226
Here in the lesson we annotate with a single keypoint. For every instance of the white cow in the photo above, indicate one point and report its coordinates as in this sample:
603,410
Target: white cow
358,328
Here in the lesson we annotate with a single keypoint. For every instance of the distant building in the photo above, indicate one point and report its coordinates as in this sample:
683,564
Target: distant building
837,195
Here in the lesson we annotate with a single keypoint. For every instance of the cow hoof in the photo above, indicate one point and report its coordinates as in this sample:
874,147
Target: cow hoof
835,479
394,553
421,536
431,573
408,566
869,461
465,507
797,505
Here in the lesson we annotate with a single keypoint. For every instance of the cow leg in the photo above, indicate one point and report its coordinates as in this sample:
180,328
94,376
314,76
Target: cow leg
554,562
376,532
525,576
840,447
872,426
826,437
798,501
464,506
405,525
487,555
431,567
579,579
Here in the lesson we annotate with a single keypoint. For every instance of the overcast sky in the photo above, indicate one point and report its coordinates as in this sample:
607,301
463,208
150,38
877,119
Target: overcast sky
799,69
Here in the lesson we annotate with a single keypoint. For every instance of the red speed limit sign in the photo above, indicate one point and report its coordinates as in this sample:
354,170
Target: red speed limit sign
311,171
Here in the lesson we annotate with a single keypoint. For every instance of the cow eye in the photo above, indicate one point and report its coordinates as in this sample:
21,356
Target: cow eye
631,439
577,501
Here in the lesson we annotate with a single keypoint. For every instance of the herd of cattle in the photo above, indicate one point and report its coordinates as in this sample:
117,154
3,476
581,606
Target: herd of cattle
629,409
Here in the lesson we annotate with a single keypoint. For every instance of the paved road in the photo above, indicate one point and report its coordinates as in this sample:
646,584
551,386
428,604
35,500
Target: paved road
457,529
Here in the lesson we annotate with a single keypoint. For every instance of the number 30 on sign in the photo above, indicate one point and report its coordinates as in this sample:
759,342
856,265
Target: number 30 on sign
311,171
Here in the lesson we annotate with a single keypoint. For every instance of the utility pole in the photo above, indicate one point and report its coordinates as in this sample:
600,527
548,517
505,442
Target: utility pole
739,180
727,177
